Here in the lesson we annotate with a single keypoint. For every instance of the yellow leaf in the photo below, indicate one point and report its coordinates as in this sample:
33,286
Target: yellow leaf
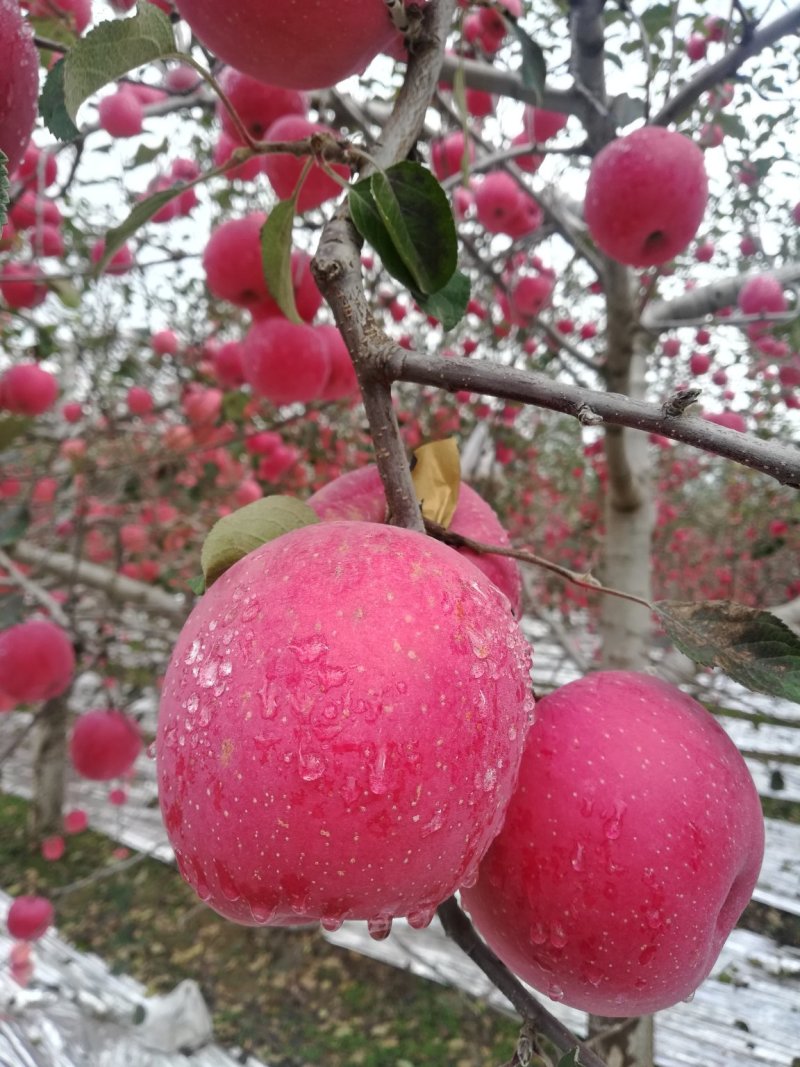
437,480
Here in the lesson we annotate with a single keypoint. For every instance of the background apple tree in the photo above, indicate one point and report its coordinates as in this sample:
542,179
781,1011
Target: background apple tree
632,427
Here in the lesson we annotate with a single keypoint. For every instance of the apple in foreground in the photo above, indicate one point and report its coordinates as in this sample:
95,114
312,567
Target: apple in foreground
340,728
359,495
630,848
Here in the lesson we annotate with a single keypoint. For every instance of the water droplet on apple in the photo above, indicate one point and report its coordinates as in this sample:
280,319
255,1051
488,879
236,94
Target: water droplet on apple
587,806
380,927
227,885
312,766
433,824
469,879
558,937
331,923
309,650
193,703
151,750
350,790
594,976
554,991
207,677
377,773
689,999
537,934
421,916
577,858
262,915
655,919
202,890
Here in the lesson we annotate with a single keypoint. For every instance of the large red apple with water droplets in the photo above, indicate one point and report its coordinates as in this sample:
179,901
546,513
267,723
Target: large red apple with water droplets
630,847
646,196
340,728
298,44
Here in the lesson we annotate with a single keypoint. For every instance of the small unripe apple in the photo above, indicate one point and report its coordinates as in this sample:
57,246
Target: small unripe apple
104,744
630,848
340,728
646,196
29,917
37,661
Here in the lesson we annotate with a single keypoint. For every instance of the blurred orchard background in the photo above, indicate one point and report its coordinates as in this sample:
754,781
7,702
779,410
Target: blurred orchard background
157,424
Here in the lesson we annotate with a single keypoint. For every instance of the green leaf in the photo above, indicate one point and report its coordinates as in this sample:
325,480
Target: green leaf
112,49
142,213
12,610
627,109
197,584
369,224
66,292
276,257
753,647
12,427
416,213
534,68
13,524
449,304
146,154
52,106
3,188
237,534
571,1059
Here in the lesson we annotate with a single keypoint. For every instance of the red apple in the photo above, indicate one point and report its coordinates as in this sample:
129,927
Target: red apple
19,82
359,495
290,43
285,362
21,284
257,105
27,389
340,728
37,661
104,744
121,113
29,917
646,196
139,400
630,847
284,169
761,295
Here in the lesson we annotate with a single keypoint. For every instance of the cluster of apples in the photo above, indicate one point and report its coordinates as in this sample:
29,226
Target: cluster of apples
347,731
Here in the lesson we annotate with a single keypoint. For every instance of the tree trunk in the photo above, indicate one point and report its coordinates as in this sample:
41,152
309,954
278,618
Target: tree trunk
626,627
49,769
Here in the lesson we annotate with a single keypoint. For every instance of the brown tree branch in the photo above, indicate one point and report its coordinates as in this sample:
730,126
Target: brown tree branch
460,930
116,586
779,461
698,303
